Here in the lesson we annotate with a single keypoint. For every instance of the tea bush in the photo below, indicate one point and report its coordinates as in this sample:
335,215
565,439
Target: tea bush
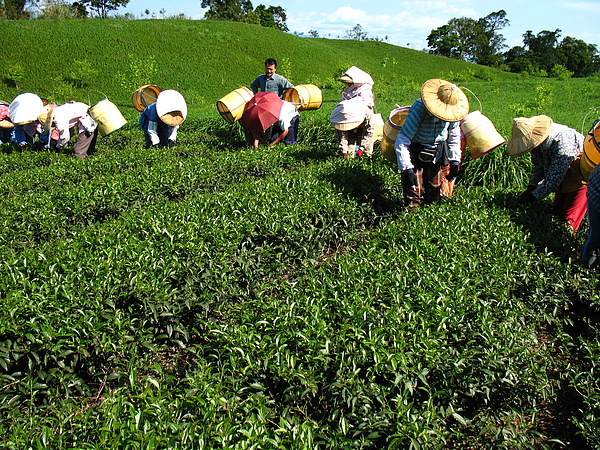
215,295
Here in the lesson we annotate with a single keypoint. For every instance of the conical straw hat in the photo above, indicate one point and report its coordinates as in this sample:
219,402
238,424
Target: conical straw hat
47,117
444,100
527,134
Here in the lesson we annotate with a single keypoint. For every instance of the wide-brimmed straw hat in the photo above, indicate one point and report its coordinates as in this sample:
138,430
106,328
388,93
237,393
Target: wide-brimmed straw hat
173,118
444,100
346,126
46,118
171,107
527,134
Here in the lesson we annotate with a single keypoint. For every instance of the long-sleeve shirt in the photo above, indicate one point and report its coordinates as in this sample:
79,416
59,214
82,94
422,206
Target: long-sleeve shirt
423,127
150,124
552,158
69,115
363,91
276,83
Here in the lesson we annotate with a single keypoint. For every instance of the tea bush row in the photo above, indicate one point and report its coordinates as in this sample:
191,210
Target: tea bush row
282,298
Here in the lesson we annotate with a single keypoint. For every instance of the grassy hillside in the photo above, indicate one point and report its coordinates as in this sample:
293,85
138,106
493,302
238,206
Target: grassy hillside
220,296
203,59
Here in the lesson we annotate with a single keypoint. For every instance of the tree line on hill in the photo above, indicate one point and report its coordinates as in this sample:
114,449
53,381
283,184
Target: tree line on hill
480,42
236,10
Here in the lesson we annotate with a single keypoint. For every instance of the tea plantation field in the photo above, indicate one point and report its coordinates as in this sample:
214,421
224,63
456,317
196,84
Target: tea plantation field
219,296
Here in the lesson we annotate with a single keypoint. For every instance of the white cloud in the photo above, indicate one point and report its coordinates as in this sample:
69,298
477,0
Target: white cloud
346,14
586,7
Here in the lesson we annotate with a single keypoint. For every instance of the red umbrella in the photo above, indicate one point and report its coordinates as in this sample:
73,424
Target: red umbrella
261,111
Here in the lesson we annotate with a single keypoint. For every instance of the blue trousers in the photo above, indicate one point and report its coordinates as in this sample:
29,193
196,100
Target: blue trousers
292,135
593,239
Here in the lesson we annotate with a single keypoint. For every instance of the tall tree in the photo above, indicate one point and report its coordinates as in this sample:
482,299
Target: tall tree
356,33
579,57
488,43
477,41
242,11
445,41
103,7
273,16
466,29
539,52
15,9
234,10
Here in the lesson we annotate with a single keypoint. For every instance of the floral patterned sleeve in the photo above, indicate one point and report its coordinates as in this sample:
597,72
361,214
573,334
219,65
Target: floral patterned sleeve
561,154
537,173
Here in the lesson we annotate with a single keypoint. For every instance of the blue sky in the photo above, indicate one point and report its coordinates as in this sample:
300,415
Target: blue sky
408,23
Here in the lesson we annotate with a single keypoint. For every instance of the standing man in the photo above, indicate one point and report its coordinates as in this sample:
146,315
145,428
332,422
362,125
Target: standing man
271,81
430,139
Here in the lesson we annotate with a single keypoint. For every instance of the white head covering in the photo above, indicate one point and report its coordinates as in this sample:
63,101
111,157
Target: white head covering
25,108
171,107
351,112
359,76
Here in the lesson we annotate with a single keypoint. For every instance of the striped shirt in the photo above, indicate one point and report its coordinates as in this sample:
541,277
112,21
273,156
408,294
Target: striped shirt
423,127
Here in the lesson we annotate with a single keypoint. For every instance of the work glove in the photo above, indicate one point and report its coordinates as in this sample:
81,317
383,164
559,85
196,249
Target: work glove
527,196
453,171
409,179
170,143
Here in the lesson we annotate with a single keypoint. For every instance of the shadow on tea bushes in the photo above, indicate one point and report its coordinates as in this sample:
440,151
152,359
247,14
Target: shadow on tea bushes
357,181
546,232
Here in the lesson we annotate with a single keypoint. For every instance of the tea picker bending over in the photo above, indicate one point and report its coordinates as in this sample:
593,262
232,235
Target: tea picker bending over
21,119
160,120
6,126
68,120
282,130
430,139
352,117
555,153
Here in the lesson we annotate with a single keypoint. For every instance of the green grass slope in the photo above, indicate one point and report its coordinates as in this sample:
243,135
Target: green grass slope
203,59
